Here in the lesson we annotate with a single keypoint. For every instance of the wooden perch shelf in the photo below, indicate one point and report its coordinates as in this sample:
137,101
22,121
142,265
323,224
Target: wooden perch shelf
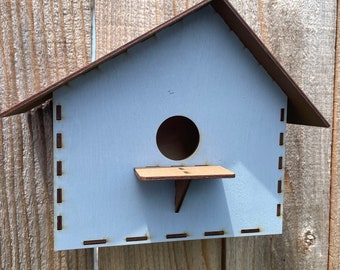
182,177
182,173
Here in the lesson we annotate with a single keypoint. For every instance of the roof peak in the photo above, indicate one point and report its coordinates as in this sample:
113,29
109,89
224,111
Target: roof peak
300,109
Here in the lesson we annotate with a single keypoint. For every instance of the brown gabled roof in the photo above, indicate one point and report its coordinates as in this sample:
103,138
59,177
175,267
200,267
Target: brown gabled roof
300,108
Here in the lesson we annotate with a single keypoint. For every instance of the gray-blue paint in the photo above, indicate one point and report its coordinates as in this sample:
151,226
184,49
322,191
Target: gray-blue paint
199,69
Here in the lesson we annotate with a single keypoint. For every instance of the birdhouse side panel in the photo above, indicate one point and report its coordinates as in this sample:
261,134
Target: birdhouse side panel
195,77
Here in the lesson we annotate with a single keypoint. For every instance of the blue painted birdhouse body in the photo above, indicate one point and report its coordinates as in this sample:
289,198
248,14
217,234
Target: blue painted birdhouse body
198,70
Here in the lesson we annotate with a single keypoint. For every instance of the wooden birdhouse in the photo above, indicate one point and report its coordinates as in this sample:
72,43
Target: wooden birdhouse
177,135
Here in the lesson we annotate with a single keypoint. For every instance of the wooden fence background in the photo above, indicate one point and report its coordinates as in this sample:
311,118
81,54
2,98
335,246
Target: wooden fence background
41,41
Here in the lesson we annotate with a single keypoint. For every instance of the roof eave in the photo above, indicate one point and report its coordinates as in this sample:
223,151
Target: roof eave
300,109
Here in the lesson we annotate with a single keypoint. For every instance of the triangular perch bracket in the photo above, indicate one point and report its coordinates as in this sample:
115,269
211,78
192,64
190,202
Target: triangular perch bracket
182,176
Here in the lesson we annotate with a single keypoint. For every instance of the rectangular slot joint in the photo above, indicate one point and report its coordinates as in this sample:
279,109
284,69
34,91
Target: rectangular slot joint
282,137
278,210
59,140
279,186
94,242
214,233
59,168
280,163
59,223
59,195
178,235
58,112
282,115
257,230
135,239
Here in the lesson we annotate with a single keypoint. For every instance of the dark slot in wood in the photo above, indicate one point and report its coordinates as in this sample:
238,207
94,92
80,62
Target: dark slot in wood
59,195
59,223
135,239
58,112
278,210
257,230
280,163
279,186
59,140
282,116
59,168
178,235
94,242
214,233
282,139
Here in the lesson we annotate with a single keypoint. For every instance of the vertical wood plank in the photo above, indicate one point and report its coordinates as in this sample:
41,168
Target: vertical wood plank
41,41
118,22
334,233
302,37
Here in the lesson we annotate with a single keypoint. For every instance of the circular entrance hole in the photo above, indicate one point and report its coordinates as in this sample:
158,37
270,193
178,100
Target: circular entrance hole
177,137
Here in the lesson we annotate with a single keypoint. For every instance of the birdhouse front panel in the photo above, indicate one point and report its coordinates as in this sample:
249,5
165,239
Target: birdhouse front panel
190,105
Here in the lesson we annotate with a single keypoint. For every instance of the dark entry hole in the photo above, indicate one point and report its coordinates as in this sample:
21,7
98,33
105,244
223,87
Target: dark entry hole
177,137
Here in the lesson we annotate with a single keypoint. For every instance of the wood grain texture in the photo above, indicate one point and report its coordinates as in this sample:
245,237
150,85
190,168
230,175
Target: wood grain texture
334,232
183,173
41,41
118,22
301,35
198,255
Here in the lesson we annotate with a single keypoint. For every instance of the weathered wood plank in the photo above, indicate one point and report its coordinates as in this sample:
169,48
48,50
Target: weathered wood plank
198,255
334,234
301,35
118,22
41,41
40,45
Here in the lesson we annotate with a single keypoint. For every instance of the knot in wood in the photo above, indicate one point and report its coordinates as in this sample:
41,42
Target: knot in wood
309,238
